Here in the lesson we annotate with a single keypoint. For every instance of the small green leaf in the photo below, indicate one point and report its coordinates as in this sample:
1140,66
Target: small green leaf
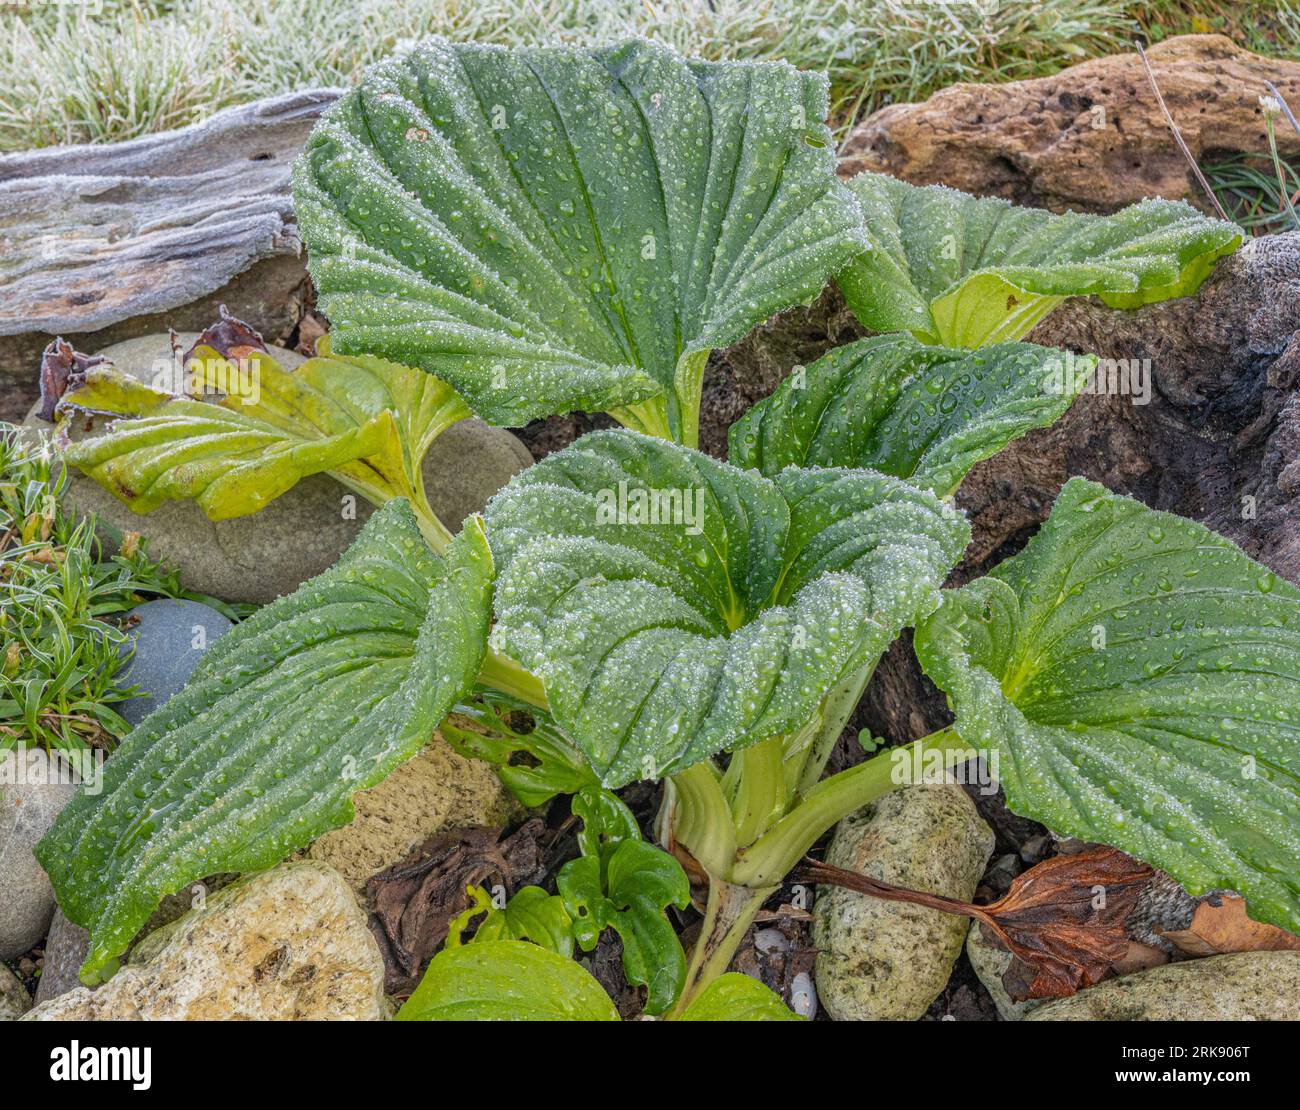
627,888
365,421
606,820
675,606
557,767
315,697
553,228
919,412
967,271
531,914
736,997
1138,678
506,980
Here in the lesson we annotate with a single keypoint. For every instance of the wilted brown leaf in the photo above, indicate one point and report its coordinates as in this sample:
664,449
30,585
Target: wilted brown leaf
1220,925
1063,921
230,337
415,900
61,367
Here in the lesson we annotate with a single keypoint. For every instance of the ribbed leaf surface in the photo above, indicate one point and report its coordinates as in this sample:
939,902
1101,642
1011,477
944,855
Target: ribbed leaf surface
366,421
315,697
904,408
1139,677
724,619
968,271
555,229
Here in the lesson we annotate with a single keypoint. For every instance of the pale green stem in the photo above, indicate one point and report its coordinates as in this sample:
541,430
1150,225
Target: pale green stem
647,417
434,531
727,918
506,676
760,790
770,858
836,711
742,878
701,818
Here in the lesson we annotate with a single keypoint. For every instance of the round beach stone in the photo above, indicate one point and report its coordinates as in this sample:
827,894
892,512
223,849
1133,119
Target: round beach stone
1241,986
169,639
33,791
887,961
300,534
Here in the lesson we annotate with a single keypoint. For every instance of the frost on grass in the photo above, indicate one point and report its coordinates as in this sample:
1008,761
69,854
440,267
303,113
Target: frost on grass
552,229
661,644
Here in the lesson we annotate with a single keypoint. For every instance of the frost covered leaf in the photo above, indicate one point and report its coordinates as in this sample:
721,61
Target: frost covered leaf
968,271
1139,677
552,229
676,606
506,980
315,697
902,407
365,421
737,997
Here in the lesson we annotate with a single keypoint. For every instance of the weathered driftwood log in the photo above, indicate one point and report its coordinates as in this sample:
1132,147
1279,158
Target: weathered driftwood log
104,243
1090,138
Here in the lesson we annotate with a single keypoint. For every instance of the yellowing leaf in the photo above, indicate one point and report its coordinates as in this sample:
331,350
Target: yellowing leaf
366,421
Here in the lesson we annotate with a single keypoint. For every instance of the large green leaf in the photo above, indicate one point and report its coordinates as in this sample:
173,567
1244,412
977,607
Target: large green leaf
366,421
1139,678
968,271
902,407
553,229
725,622
315,697
506,980
736,997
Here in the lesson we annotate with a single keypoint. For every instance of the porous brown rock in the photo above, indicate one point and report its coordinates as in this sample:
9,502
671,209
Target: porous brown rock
1090,138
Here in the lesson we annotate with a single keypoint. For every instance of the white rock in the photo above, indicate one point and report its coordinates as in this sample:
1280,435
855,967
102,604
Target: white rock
290,943
883,961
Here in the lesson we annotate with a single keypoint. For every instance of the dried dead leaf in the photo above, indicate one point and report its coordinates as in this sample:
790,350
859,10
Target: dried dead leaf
1220,925
414,900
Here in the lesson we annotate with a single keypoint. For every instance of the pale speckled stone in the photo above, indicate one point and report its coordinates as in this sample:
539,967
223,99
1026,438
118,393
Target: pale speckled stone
14,1001
438,789
301,533
881,960
289,943
1243,986
29,804
990,964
